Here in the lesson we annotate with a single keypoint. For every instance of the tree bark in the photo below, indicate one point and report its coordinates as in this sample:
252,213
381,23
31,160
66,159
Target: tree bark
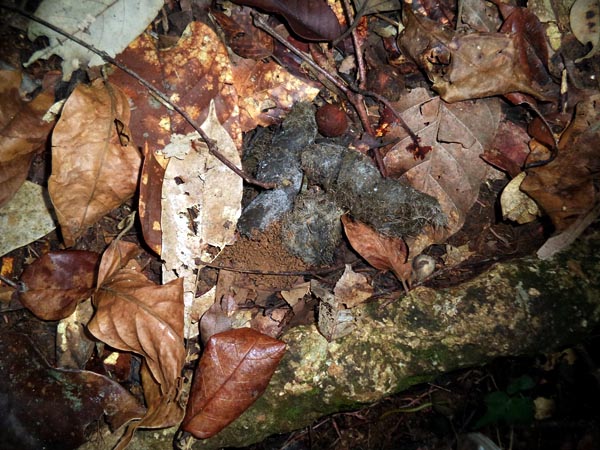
515,308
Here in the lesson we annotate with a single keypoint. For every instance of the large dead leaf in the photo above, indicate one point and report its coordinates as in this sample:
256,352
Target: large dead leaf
57,282
133,314
452,171
109,25
309,19
382,252
43,407
95,165
234,371
472,65
23,131
564,188
334,320
202,203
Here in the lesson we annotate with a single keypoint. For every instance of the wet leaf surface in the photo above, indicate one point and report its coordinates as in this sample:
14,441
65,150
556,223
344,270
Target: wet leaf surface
57,282
44,407
234,370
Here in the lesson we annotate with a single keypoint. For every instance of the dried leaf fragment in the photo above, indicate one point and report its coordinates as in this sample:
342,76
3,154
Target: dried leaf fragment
95,165
233,372
22,131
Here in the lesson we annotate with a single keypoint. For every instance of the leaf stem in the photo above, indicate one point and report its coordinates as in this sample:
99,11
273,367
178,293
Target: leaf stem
212,146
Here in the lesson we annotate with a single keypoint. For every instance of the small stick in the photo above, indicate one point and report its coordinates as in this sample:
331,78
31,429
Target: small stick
212,146
277,273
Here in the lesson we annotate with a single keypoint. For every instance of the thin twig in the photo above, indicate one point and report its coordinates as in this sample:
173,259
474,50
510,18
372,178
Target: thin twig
276,273
211,144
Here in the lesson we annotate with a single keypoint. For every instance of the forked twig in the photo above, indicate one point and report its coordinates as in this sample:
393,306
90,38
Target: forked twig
211,144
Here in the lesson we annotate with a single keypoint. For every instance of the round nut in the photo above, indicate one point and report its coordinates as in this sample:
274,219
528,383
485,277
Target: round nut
331,120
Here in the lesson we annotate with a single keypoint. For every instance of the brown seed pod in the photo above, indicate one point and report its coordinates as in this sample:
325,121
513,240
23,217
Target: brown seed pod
331,120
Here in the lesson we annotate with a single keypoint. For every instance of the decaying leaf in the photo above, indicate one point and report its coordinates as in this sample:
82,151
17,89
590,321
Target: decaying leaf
310,19
564,188
23,131
472,65
57,282
53,408
352,288
74,345
267,92
234,371
204,204
453,170
242,36
133,314
108,25
334,319
26,218
516,205
585,24
218,318
382,252
95,165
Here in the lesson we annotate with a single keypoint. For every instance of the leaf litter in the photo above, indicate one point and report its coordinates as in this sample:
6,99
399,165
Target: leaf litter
246,297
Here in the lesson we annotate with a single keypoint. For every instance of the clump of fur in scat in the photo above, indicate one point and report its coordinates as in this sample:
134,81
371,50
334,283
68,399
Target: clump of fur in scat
390,206
279,162
312,230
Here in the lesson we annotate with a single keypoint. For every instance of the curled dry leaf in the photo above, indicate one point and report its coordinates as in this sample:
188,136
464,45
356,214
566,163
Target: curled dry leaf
564,188
133,314
23,131
95,165
234,371
57,282
382,252
54,408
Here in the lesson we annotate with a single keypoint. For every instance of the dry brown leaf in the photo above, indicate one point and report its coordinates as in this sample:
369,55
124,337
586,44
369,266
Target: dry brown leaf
23,131
57,282
352,288
453,171
334,320
472,65
95,165
133,314
564,188
382,252
234,371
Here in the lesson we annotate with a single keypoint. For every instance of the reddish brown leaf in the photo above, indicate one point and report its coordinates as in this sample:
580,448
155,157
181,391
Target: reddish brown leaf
242,36
95,165
57,282
191,73
23,132
53,408
382,252
312,20
564,188
234,371
133,314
